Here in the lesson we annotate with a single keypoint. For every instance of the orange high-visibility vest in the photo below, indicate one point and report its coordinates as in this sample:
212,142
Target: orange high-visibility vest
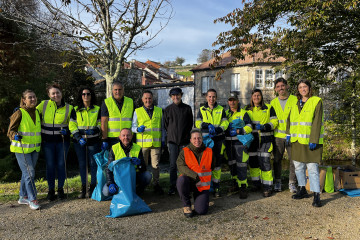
203,170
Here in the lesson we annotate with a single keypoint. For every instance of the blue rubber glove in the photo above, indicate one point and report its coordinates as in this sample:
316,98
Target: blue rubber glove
63,131
233,132
212,129
82,142
135,161
312,146
113,189
288,138
89,132
230,125
259,127
17,137
104,146
141,129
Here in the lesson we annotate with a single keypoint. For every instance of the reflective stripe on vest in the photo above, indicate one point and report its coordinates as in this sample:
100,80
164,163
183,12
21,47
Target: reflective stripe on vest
30,132
203,169
151,137
119,152
85,119
262,116
301,123
213,116
280,131
119,120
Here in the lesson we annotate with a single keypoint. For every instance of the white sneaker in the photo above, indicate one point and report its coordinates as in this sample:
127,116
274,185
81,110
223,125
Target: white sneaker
277,187
23,200
34,205
292,188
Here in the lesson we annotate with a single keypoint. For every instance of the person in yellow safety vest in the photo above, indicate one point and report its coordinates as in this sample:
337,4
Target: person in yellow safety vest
195,163
85,127
306,128
264,122
25,136
126,148
116,114
282,106
211,119
55,138
236,152
150,135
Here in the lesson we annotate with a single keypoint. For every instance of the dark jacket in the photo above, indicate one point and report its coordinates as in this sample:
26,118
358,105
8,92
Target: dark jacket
111,158
178,122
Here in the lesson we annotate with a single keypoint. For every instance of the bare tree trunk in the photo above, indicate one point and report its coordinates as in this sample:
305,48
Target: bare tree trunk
353,122
109,81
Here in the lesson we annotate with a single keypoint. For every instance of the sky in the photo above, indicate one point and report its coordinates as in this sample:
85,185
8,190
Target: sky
191,30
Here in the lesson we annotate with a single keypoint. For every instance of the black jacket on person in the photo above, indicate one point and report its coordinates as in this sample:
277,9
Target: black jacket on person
178,122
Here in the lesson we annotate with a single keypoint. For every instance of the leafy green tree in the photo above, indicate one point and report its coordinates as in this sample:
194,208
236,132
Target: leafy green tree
320,39
204,56
179,61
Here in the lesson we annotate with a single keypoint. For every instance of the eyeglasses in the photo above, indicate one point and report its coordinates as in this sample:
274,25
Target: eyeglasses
86,94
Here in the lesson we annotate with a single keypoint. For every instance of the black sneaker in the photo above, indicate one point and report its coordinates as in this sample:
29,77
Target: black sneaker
243,194
51,195
61,193
172,190
83,192
158,189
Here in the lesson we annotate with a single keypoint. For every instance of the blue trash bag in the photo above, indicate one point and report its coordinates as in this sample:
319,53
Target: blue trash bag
126,202
246,139
101,160
208,141
238,123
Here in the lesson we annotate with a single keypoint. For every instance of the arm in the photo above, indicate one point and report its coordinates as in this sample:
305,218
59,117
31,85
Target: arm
183,168
134,124
109,174
317,123
199,120
247,121
224,124
274,121
142,166
163,132
15,120
104,120
73,126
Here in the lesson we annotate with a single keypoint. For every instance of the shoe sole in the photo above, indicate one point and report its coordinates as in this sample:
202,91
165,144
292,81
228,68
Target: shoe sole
23,203
34,208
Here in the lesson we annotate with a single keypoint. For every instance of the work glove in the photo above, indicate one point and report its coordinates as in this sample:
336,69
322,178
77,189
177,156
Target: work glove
233,132
218,130
212,129
312,146
89,132
288,138
82,142
141,129
104,145
135,161
230,125
113,189
205,125
267,127
63,132
17,137
259,127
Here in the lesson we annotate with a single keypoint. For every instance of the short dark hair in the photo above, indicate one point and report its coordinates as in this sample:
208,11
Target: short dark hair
53,85
211,90
280,79
307,82
147,91
195,130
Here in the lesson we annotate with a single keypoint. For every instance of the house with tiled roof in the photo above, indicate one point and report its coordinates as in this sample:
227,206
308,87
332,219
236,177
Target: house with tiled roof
247,74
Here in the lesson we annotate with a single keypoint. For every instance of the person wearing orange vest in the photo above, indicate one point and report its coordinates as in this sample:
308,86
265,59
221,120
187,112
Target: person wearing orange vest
195,163
25,136
306,125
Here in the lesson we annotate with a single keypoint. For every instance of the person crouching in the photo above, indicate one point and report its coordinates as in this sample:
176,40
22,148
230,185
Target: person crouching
195,163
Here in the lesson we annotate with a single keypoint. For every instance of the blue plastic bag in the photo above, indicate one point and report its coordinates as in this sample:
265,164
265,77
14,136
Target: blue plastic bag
238,123
126,202
101,160
208,141
246,139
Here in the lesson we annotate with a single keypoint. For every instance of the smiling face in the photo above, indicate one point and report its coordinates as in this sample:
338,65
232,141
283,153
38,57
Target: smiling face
233,103
304,90
125,136
211,98
118,91
176,98
86,96
30,100
55,95
196,139
281,89
147,99
256,98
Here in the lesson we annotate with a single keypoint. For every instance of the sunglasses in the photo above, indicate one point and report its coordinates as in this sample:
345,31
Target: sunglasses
86,94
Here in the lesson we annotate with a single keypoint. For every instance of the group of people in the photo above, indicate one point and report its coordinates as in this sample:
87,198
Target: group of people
294,123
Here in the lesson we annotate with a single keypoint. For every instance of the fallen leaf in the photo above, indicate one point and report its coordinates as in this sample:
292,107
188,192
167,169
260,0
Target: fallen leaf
329,231
330,238
265,218
308,237
256,217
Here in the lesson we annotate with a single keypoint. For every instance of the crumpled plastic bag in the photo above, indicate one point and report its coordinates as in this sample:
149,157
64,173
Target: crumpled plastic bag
245,139
101,160
126,202
238,123
208,142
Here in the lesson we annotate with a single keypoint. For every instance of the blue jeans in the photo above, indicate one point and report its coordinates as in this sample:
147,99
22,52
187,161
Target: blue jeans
143,179
174,151
27,166
54,157
313,170
81,155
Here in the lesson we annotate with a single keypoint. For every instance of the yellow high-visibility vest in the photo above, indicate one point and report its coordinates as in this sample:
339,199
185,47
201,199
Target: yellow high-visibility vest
119,120
151,137
85,119
282,115
213,117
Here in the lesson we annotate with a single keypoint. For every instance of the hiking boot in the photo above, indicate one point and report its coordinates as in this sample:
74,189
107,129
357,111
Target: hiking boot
277,186
51,195
256,186
301,193
188,212
292,188
316,202
34,205
172,190
23,200
158,189
234,187
83,192
243,192
91,190
267,193
216,192
61,193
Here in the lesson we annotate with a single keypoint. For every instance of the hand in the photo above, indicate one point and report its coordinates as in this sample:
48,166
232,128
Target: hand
17,137
104,145
141,129
135,161
204,125
233,132
113,189
82,142
63,131
312,146
212,129
89,132
288,138
230,125
259,127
